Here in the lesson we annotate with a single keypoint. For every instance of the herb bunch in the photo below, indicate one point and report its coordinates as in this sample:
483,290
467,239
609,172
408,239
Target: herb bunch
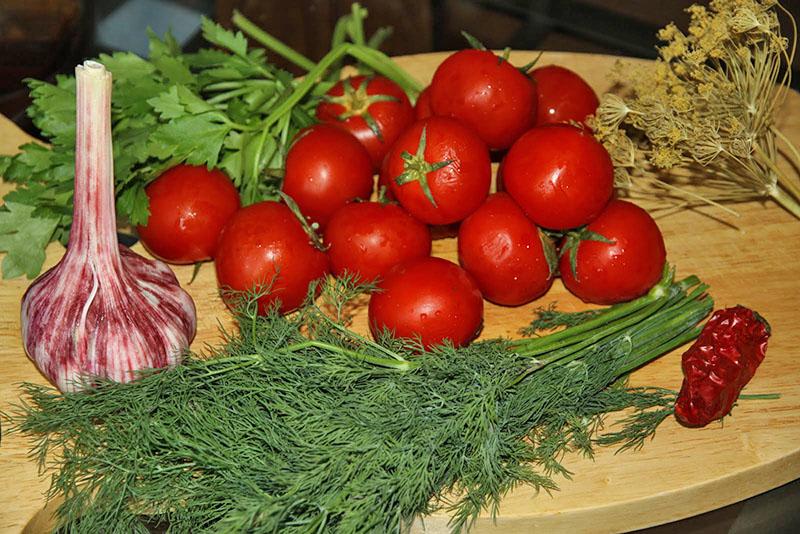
298,424
698,125
226,107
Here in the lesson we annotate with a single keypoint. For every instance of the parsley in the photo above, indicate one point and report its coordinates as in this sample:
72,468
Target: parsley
225,107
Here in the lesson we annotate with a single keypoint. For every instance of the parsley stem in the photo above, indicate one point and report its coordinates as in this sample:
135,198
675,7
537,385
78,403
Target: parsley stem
235,84
227,95
271,42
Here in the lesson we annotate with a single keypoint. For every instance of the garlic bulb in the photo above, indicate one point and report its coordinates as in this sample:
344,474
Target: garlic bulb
103,311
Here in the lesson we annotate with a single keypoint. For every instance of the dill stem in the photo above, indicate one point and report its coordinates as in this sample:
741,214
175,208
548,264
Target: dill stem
670,334
583,340
759,396
569,335
666,321
788,143
786,192
787,201
383,362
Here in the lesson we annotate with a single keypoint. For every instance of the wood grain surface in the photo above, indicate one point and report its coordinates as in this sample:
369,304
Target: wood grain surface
750,260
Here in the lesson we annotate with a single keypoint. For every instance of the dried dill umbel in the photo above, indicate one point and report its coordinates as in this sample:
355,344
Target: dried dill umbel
698,125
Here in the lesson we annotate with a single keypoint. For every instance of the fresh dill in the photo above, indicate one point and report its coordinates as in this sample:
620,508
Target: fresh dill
297,424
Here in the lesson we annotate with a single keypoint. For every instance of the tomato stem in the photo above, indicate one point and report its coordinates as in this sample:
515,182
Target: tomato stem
416,167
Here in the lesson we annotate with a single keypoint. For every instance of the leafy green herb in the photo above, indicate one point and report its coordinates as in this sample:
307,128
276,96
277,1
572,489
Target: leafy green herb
297,424
37,234
225,107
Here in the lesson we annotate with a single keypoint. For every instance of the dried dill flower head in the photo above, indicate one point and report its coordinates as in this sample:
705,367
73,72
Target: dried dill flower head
697,125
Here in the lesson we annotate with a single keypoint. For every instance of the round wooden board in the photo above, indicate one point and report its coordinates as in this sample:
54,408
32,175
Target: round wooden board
748,260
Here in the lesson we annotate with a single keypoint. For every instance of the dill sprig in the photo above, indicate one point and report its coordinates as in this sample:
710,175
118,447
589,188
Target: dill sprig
550,318
297,424
698,125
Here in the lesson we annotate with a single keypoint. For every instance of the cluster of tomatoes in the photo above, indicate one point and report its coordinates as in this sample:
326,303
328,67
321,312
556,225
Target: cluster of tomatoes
553,213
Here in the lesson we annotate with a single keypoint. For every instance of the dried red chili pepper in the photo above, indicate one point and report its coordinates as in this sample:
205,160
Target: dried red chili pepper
718,365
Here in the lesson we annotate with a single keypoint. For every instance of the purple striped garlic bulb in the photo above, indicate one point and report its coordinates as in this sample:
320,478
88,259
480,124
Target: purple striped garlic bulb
103,311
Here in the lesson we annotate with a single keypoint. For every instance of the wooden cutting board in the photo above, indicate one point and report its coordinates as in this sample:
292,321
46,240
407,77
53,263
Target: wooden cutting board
749,260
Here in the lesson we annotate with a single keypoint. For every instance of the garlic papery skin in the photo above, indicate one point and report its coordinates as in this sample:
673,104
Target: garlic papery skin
103,310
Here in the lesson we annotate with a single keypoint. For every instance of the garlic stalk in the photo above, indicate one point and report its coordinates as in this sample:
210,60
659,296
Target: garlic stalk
103,310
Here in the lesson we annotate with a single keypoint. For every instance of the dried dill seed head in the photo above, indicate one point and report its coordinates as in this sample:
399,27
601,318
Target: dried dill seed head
697,125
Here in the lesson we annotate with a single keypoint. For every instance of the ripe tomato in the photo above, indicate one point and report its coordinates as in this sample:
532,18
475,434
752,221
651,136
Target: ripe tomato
374,109
325,168
429,298
369,238
487,93
562,95
505,252
623,270
559,175
188,208
443,169
264,243
422,109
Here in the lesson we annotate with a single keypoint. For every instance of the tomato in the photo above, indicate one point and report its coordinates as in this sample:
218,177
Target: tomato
487,93
562,95
265,244
369,238
374,109
448,159
188,207
325,168
561,176
431,299
622,270
422,108
505,252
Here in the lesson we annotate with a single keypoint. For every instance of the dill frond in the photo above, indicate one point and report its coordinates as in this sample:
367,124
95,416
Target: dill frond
289,428
697,126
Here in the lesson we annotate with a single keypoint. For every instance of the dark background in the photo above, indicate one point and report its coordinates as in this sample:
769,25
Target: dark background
39,38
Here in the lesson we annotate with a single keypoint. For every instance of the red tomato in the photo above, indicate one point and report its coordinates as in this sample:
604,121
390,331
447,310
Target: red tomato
504,251
623,270
265,243
422,109
375,110
369,238
326,167
562,95
561,176
487,93
429,298
450,160
188,208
